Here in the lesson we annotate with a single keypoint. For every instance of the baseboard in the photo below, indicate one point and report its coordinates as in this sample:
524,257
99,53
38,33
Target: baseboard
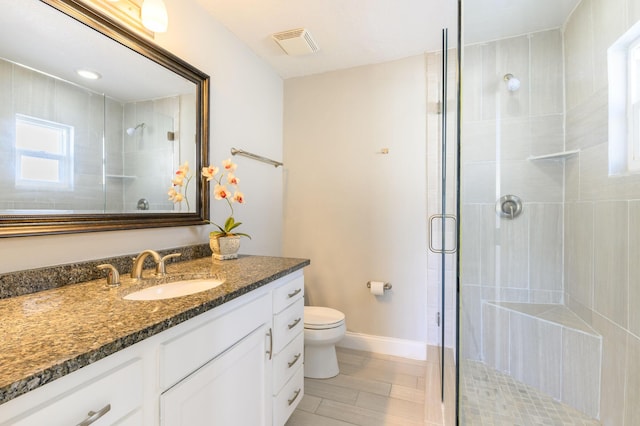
384,345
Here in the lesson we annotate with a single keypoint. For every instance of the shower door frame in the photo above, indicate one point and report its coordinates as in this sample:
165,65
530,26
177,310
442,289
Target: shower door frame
443,250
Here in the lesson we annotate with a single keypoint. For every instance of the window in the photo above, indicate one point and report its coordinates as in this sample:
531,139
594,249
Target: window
44,153
633,107
624,103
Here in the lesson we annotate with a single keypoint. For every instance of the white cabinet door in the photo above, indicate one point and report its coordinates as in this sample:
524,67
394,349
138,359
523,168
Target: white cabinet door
192,348
229,390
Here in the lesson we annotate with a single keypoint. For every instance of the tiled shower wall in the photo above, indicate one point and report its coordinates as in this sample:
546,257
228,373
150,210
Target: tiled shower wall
602,212
149,155
27,92
146,159
516,260
601,270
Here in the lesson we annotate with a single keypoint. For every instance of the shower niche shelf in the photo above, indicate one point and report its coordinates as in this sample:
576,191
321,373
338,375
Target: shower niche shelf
555,156
121,177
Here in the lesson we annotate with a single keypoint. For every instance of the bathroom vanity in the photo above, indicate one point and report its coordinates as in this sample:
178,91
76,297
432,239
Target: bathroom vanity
232,355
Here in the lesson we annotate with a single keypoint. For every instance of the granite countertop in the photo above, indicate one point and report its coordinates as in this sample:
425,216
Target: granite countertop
48,334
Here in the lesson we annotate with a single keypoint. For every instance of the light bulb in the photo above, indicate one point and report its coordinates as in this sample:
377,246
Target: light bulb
154,15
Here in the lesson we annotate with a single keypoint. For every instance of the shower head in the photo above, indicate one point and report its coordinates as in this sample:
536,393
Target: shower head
513,83
132,130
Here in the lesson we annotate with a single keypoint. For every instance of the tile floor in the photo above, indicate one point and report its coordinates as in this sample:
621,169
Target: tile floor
372,390
381,390
489,398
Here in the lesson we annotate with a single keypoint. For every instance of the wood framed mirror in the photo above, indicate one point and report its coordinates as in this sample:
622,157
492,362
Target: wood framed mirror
80,155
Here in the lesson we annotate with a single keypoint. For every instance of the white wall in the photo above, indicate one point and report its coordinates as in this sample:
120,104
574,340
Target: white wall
246,112
357,214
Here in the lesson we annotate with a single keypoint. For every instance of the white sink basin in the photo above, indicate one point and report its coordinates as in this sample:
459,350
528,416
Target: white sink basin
174,289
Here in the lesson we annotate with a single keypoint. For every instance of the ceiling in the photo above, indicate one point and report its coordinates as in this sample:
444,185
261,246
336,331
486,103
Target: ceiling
349,33
358,32
37,36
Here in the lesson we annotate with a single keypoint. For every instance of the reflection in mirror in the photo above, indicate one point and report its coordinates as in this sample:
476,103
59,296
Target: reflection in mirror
93,153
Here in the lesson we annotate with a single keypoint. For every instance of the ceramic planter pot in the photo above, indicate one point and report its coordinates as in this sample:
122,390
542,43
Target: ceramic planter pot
225,248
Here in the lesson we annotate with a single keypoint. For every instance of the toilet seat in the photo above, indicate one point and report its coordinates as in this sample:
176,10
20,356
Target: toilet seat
321,318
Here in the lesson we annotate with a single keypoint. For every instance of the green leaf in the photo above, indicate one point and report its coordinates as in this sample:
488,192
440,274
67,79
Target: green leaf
228,224
235,225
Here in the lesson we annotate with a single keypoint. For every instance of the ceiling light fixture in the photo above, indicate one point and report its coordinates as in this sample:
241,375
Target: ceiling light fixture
154,16
88,74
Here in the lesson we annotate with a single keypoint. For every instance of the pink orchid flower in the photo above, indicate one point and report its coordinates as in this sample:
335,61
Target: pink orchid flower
220,193
232,179
238,197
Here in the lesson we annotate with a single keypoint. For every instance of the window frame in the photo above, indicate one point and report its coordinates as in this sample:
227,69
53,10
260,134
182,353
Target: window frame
64,158
623,121
633,105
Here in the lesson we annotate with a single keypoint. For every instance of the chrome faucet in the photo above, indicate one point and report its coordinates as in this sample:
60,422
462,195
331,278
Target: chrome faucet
138,262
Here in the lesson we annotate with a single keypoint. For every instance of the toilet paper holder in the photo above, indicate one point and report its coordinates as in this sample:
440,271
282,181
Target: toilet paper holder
386,286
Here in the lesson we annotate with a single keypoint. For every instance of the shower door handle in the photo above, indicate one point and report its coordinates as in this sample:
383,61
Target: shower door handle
455,240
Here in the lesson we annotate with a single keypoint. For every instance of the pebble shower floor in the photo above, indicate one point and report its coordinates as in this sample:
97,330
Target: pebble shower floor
491,398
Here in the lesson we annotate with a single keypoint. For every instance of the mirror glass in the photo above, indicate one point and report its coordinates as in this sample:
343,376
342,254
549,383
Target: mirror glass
81,154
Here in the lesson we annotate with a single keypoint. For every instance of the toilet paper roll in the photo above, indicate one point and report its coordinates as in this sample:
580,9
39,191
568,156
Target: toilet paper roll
377,288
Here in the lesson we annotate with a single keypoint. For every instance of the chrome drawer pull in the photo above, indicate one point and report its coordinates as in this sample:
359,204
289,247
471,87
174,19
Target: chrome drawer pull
270,351
295,359
293,324
92,416
294,293
295,396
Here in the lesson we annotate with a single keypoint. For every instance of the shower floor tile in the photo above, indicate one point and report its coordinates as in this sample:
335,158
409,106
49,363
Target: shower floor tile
491,398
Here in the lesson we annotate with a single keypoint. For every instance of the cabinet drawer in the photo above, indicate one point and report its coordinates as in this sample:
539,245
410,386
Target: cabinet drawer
287,324
288,293
189,351
288,398
287,362
121,388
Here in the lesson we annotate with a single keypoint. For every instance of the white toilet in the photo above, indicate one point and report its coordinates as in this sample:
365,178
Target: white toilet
323,328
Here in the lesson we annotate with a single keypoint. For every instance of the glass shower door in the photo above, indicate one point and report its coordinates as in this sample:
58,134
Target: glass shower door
442,151
530,350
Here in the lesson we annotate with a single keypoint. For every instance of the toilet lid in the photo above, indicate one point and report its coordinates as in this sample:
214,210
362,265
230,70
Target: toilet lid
317,317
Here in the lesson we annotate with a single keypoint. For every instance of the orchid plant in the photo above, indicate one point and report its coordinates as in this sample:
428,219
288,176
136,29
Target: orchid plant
220,192
179,182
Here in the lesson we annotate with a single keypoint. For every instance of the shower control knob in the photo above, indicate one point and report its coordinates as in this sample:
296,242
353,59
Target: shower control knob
509,206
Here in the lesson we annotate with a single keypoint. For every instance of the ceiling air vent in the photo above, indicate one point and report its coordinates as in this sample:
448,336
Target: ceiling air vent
296,42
